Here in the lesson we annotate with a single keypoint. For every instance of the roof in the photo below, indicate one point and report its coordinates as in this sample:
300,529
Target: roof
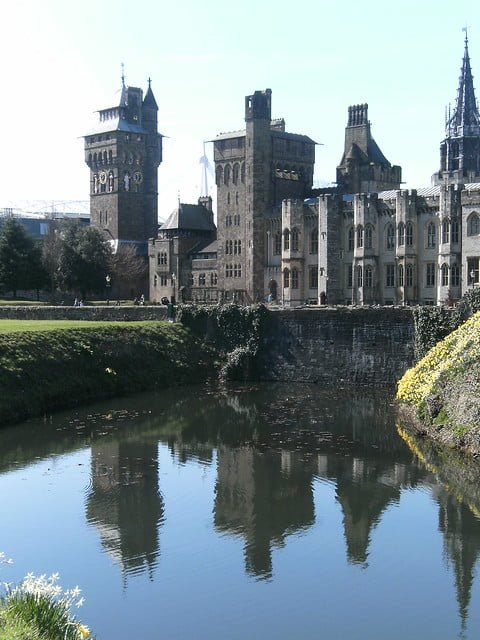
193,217
276,134
115,124
292,136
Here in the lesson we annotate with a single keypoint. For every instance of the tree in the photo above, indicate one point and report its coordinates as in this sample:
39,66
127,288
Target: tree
20,259
84,259
128,270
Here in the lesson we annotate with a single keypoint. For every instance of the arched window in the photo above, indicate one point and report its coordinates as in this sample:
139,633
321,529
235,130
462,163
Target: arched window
350,239
89,159
400,275
229,247
360,236
236,173
294,240
314,242
454,228
455,279
286,278
431,235
294,278
110,157
409,275
445,274
213,279
286,240
219,176
95,160
201,280
277,243
368,236
409,234
368,277
401,234
359,276
242,172
446,231
226,175
473,225
390,236
105,158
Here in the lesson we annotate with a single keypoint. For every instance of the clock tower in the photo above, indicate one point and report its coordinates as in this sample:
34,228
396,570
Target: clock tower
123,152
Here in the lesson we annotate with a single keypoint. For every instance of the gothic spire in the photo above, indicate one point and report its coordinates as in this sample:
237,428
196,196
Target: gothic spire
465,120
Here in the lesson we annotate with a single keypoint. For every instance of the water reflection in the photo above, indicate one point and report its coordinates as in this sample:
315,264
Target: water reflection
271,446
457,492
124,503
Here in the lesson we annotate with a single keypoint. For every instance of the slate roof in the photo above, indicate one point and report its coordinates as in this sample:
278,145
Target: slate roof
192,217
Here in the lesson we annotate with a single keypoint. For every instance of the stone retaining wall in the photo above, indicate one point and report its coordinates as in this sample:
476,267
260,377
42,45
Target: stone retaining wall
337,345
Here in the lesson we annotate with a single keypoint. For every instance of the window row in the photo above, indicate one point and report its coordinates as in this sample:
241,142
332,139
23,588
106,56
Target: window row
233,271
203,279
233,247
291,241
404,235
162,258
232,220
229,198
404,276
224,175
291,278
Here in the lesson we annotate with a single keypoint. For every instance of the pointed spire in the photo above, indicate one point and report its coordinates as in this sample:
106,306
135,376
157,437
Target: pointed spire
149,100
466,118
124,90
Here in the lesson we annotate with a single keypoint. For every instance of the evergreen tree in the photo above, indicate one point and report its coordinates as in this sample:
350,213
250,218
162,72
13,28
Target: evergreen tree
84,259
20,263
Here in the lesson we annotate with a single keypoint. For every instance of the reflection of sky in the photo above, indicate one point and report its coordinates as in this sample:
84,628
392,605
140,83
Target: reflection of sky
200,588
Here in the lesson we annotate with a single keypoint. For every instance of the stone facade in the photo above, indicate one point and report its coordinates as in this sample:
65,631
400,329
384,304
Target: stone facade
123,152
363,241
256,169
183,257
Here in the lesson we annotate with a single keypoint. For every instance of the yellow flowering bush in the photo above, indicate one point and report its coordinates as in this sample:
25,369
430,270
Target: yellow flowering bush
451,355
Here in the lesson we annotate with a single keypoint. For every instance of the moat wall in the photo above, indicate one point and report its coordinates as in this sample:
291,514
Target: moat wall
338,345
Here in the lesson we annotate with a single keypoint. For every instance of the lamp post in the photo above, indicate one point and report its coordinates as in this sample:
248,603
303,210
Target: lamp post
108,284
174,281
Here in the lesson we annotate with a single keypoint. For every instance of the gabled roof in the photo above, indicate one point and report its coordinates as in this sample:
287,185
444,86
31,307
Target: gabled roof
191,217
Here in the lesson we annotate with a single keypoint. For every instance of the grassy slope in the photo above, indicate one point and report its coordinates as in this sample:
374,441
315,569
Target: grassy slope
42,370
443,389
10,326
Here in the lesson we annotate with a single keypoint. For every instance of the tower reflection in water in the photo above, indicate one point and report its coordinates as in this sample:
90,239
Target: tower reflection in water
125,503
269,454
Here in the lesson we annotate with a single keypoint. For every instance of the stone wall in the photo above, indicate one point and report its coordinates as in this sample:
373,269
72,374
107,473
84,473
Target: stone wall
338,345
110,313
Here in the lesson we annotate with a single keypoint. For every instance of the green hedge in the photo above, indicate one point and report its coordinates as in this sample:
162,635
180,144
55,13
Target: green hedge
42,371
233,330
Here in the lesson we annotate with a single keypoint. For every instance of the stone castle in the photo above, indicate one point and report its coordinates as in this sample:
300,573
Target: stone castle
363,241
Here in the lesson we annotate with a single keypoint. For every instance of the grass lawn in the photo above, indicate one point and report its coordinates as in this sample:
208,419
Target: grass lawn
21,303
14,326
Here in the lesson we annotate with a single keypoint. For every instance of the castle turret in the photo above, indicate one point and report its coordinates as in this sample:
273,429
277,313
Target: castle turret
460,150
364,168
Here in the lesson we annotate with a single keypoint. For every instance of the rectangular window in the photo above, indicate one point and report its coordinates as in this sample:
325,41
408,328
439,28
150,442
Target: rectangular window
430,274
313,277
454,230
349,275
163,281
390,275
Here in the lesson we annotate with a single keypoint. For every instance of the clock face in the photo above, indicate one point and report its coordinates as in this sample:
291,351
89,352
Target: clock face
102,177
137,177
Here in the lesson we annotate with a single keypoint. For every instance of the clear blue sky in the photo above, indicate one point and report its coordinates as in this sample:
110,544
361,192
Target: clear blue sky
61,61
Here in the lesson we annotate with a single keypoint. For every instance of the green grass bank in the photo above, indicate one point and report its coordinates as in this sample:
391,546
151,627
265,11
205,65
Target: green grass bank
440,396
51,365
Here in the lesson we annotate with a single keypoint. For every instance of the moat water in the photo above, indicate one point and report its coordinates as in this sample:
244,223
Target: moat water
269,511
